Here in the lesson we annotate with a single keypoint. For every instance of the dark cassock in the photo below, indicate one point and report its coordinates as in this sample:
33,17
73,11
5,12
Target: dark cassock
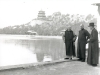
93,51
69,40
81,46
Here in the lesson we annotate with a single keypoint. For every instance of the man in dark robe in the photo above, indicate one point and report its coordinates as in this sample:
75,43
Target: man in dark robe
82,41
93,51
69,39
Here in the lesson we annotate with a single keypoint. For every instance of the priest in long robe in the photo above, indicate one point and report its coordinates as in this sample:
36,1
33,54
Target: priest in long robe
82,41
93,51
69,38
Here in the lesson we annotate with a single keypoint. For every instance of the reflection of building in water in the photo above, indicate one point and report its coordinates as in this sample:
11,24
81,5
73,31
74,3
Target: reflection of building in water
47,58
40,57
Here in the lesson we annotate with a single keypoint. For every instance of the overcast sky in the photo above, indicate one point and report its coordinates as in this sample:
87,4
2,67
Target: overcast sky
16,12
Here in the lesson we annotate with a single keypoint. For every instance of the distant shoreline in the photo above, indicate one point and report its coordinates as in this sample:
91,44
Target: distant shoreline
9,36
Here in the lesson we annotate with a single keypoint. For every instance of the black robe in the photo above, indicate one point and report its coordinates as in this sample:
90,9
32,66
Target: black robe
93,51
69,43
82,41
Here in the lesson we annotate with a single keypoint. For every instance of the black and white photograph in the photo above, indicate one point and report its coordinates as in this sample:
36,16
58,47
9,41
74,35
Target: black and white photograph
49,37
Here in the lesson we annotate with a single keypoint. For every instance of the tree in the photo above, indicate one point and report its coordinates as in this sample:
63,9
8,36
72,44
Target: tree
53,26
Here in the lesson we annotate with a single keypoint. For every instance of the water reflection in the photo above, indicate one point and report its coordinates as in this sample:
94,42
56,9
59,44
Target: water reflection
21,51
12,55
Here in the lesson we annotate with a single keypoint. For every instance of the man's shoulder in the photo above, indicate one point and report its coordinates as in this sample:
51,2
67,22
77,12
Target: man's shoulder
71,30
94,30
79,30
85,30
66,30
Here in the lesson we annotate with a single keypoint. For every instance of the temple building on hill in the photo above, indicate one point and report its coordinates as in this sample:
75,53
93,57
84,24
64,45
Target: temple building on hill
41,18
41,15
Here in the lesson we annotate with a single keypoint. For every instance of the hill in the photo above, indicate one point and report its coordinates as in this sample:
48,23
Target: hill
53,26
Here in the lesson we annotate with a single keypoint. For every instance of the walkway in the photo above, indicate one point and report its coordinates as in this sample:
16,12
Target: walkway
64,68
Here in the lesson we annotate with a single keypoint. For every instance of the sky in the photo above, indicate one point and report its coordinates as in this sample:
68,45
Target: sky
17,12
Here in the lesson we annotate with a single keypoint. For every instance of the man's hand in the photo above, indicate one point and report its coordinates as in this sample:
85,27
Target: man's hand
88,40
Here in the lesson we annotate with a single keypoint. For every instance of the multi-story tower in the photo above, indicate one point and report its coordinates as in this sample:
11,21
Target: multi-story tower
41,15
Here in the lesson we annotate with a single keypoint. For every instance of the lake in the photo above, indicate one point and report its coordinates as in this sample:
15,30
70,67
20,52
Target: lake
22,49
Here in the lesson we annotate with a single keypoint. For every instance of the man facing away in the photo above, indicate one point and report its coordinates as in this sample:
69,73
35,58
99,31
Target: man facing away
69,39
93,51
82,41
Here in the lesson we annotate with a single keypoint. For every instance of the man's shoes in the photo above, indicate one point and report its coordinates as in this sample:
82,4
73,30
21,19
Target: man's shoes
83,60
66,58
70,58
79,59
94,65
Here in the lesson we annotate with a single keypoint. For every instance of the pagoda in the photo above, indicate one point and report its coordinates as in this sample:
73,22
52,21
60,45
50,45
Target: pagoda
41,15
41,18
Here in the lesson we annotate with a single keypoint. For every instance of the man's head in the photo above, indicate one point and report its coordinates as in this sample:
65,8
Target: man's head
91,25
69,27
82,26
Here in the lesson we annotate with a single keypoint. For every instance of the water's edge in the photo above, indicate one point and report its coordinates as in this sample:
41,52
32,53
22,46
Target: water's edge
24,66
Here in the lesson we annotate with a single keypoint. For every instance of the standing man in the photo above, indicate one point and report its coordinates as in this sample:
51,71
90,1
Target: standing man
82,41
69,39
93,51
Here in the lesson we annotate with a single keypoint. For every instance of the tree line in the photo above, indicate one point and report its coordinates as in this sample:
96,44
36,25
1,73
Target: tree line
55,24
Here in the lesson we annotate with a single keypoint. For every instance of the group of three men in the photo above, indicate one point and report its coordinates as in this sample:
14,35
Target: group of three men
84,37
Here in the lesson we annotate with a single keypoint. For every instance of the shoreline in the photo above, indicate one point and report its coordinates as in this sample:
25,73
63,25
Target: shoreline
28,65
28,37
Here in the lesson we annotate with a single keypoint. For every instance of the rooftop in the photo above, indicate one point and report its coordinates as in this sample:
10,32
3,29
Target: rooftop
97,4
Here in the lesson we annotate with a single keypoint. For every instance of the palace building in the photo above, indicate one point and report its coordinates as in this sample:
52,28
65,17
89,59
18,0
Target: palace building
41,18
41,15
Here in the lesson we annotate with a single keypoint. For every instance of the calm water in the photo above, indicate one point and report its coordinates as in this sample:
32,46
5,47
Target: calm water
23,49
